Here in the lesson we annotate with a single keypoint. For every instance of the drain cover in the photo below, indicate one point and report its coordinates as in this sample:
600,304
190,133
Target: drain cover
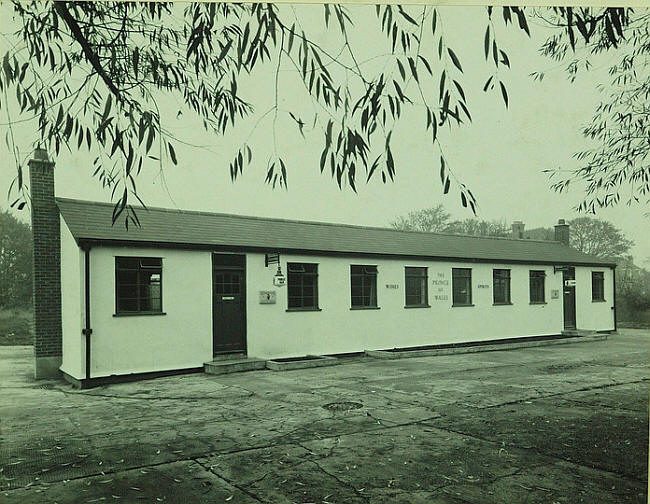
44,386
343,406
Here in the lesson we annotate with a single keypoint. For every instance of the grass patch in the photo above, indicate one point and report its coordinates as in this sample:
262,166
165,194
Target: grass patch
16,326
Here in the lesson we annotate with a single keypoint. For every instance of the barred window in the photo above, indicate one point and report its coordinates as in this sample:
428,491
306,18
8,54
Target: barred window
461,286
501,286
138,284
597,286
363,282
416,286
302,285
537,290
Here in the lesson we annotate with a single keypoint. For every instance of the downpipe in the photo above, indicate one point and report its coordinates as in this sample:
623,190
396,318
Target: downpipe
87,331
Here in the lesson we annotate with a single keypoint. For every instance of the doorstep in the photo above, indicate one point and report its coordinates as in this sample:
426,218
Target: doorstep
229,365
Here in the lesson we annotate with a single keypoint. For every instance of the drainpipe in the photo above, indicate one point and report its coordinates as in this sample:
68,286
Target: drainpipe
87,331
614,295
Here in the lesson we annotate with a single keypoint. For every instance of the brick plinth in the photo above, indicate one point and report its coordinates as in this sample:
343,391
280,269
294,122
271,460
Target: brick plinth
47,267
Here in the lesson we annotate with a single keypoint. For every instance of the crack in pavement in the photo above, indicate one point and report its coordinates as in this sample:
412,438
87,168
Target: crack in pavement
538,452
280,442
556,394
342,482
232,483
600,405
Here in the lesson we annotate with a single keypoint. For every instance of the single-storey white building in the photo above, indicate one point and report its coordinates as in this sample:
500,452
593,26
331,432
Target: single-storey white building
186,286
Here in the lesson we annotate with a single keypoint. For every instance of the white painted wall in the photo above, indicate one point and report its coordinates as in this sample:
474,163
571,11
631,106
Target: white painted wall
182,338
273,332
594,315
72,299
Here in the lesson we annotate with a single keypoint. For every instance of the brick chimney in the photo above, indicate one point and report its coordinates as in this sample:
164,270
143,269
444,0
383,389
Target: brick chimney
47,267
517,229
562,232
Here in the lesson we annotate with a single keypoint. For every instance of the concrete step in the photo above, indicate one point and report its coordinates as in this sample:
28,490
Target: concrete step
226,366
579,332
229,356
308,361
451,350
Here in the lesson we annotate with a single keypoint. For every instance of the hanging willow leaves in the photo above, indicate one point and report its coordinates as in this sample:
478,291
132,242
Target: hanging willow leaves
504,93
454,59
101,92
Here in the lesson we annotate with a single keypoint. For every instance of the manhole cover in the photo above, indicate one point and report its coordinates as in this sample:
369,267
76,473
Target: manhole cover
343,406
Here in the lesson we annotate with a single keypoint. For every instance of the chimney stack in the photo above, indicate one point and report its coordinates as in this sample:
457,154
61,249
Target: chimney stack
47,267
562,232
517,229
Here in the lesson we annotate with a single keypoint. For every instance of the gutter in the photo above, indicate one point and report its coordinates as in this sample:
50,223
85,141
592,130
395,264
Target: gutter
116,242
87,331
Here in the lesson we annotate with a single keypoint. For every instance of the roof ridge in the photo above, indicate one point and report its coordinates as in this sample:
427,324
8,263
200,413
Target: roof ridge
317,223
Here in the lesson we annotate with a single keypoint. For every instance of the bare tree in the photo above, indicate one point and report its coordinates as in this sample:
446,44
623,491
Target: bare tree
598,237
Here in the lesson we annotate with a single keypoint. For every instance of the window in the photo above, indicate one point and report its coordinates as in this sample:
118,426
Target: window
363,282
302,285
501,286
597,286
461,286
138,285
537,279
416,286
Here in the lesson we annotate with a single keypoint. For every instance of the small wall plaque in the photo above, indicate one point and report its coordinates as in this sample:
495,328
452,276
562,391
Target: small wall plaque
555,294
267,297
392,286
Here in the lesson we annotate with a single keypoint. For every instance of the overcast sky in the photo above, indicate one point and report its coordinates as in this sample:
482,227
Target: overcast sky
499,156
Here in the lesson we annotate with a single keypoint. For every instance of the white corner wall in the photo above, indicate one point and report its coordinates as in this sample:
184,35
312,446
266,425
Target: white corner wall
182,338
594,315
71,303
274,332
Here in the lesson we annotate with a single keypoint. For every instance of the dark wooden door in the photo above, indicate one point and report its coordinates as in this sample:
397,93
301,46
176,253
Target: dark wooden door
228,305
568,280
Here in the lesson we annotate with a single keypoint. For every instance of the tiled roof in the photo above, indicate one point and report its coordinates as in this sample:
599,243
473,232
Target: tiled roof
91,221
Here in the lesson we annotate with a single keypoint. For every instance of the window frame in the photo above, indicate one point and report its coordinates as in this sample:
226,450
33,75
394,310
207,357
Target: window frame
415,272
365,276
454,276
599,277
504,275
158,269
540,276
302,274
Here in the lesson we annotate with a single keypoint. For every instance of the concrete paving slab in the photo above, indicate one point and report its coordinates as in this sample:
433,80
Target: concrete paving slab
632,396
604,438
175,483
533,425
556,483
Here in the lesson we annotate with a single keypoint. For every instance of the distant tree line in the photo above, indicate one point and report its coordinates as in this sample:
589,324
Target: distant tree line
15,262
438,220
589,235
